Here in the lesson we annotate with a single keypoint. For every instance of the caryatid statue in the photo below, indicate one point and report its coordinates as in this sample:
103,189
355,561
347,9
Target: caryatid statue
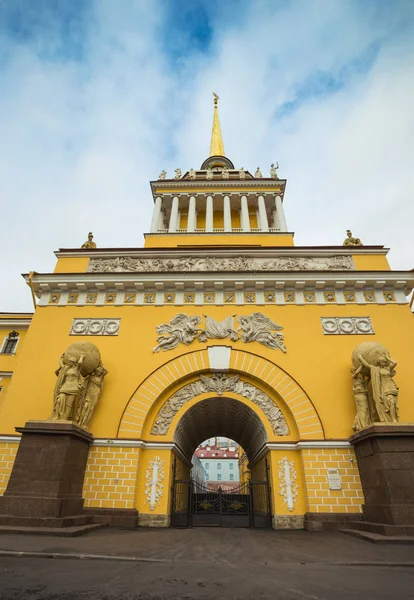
351,241
377,402
91,396
89,244
76,394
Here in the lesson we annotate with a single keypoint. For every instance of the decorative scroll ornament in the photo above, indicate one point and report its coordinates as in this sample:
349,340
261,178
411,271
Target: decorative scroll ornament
183,329
154,482
347,325
288,487
124,264
219,383
95,326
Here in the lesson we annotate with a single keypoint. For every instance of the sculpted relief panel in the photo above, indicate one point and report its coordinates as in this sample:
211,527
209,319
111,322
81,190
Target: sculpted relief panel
183,329
124,264
219,383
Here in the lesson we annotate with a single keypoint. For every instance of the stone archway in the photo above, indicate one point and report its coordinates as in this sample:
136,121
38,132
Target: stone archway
224,417
269,377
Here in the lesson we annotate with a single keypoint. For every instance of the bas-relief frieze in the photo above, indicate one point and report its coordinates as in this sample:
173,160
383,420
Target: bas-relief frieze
184,329
123,264
219,383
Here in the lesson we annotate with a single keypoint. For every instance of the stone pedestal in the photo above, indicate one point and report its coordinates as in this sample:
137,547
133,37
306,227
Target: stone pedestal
45,486
385,455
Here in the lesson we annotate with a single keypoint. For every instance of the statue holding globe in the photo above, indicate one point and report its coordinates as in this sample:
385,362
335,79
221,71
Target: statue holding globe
77,367
375,391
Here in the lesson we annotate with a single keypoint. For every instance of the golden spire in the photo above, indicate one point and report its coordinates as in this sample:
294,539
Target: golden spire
216,145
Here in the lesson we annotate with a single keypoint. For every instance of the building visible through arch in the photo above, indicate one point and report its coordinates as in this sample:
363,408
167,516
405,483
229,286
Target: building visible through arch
219,326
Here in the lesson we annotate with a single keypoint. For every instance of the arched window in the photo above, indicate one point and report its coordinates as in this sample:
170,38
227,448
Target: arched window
10,343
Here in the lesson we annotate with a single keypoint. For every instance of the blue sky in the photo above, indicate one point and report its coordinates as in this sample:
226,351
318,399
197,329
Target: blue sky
97,97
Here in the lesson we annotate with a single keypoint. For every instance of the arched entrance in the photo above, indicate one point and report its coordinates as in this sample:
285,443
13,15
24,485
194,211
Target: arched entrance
244,505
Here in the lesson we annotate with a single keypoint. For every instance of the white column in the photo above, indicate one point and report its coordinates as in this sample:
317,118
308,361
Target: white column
209,213
276,222
156,215
280,213
173,216
264,225
227,213
191,225
245,219
178,219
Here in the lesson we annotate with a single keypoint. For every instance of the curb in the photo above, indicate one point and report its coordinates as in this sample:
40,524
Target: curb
76,556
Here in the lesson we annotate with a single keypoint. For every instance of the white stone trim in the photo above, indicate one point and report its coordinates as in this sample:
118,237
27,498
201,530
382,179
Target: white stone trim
219,357
228,252
10,439
16,324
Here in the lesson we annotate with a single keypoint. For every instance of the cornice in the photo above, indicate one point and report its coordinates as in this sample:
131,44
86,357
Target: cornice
254,252
277,185
15,323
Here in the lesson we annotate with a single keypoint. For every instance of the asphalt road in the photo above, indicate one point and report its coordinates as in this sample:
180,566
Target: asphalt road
207,564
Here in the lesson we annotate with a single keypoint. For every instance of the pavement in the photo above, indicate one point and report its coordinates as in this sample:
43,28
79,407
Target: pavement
203,564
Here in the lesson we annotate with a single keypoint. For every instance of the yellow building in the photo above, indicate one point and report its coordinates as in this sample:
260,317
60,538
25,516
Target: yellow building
219,325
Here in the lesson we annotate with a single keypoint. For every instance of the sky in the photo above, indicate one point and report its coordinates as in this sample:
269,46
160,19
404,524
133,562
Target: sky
98,96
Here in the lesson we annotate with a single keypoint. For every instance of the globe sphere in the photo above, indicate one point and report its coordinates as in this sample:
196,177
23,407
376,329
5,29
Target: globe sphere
92,356
370,352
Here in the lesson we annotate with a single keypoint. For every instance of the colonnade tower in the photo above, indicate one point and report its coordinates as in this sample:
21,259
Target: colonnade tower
221,201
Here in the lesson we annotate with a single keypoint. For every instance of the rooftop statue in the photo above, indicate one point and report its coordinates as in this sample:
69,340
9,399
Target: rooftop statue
351,241
225,173
192,174
258,172
177,173
163,175
209,174
89,244
242,173
273,171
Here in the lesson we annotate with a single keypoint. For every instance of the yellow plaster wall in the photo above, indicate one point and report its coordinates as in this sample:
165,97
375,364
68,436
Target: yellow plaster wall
8,451
319,363
4,385
320,498
77,264
371,262
177,240
111,477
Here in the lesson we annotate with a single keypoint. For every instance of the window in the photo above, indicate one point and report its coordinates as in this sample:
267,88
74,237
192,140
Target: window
207,476
10,343
231,477
231,466
219,465
207,466
219,477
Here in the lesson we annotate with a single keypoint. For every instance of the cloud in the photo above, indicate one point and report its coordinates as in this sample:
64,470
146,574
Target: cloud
97,100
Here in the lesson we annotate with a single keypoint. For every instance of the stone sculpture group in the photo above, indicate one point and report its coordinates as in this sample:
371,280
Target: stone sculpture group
184,329
79,384
375,391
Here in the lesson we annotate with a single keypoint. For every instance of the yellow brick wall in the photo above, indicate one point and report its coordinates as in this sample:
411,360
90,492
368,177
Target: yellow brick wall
320,498
111,477
8,451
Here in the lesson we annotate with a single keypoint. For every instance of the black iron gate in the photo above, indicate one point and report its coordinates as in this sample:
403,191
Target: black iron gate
196,505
